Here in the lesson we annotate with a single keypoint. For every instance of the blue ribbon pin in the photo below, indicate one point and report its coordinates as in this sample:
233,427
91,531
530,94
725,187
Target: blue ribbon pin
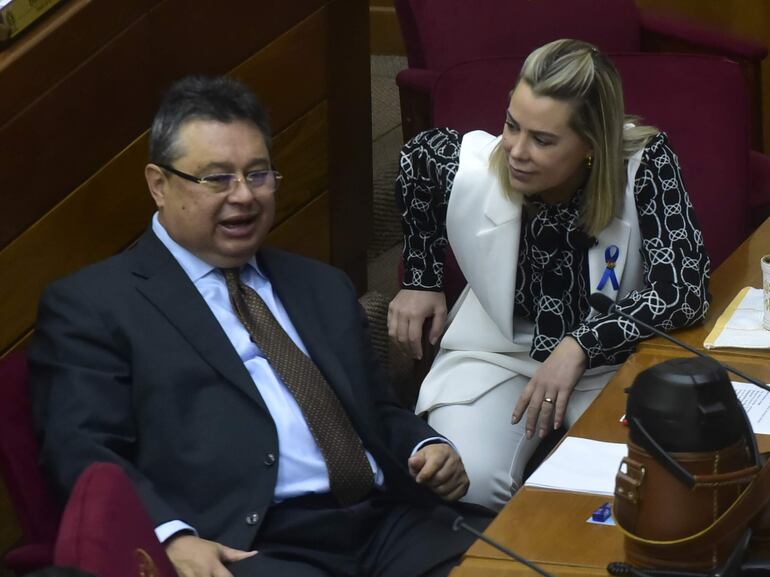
611,257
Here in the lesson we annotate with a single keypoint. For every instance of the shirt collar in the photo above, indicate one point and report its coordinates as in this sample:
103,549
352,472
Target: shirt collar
194,267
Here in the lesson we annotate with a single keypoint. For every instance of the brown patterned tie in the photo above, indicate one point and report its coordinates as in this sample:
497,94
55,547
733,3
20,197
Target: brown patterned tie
350,475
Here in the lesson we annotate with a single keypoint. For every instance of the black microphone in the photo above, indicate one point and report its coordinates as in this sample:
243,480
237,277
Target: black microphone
448,515
606,305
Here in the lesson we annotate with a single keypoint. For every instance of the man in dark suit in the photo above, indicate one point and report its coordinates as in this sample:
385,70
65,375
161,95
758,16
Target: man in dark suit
153,360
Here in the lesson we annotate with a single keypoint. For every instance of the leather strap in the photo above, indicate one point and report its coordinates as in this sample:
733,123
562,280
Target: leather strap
749,503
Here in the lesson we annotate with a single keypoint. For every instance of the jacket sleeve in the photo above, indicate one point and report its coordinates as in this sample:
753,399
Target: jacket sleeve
399,428
675,265
427,168
80,379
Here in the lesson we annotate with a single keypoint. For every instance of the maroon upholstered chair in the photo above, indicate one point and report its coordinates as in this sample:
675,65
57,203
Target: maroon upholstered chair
698,100
37,512
104,526
105,530
442,33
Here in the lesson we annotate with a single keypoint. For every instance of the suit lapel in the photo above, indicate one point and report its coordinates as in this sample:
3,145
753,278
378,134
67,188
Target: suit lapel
497,278
483,245
163,282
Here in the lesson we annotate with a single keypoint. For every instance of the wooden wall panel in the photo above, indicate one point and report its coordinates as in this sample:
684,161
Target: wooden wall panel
111,96
57,45
96,220
205,38
384,30
308,232
301,155
350,151
745,18
44,150
291,74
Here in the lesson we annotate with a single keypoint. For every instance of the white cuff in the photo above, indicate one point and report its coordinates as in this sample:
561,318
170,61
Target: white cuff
432,441
170,528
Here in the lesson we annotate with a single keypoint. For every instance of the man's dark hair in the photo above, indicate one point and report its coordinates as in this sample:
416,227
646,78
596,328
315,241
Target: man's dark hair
218,98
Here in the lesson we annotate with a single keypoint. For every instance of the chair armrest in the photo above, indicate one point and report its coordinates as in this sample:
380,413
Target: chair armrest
415,86
105,529
657,31
660,34
759,187
29,557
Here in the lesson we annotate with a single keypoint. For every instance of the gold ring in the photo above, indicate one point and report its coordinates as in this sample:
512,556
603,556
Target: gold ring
548,400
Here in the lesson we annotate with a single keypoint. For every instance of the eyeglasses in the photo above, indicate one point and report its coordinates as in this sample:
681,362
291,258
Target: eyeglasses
225,182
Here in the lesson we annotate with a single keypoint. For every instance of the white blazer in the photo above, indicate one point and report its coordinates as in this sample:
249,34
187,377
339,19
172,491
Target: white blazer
483,228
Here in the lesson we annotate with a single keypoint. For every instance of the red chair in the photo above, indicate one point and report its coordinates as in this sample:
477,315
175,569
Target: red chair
696,99
441,33
36,510
105,530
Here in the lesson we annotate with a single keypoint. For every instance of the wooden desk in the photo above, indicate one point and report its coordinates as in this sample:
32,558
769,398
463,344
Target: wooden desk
549,527
740,270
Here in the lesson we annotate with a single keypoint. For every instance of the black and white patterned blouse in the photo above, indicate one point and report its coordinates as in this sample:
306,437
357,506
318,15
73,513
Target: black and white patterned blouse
552,280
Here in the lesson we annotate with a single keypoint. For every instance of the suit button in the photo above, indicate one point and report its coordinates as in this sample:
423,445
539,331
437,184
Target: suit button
252,518
269,460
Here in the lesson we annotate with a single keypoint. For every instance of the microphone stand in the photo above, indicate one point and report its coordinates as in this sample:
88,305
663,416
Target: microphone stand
459,523
605,304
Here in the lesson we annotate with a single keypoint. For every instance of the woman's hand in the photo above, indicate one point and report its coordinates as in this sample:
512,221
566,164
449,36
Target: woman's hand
553,380
406,315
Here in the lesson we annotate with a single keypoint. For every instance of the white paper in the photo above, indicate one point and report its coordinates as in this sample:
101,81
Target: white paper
756,403
581,465
588,466
744,328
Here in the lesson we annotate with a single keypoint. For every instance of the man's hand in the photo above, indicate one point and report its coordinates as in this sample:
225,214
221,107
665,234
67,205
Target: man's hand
439,467
406,315
196,557
553,380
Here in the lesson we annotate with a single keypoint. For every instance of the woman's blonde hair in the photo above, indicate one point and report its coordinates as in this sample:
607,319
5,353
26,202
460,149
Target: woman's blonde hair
577,72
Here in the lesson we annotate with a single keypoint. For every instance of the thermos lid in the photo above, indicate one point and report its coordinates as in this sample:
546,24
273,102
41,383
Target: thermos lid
685,405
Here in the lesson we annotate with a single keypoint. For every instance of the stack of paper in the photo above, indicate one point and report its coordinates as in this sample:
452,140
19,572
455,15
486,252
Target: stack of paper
580,465
756,403
741,324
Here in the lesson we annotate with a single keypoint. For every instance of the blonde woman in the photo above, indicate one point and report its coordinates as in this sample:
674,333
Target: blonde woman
571,199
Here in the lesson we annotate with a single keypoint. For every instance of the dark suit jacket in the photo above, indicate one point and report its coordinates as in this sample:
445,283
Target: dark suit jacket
129,365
